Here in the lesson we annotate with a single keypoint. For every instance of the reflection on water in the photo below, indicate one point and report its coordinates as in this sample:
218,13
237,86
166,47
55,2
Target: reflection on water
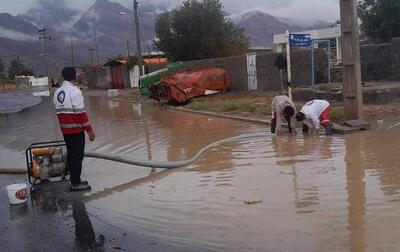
51,199
319,193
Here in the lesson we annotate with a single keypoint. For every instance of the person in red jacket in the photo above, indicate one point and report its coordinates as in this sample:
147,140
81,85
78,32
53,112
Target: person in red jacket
74,121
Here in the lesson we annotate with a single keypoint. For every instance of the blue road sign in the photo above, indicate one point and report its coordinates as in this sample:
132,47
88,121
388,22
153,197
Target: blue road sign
300,40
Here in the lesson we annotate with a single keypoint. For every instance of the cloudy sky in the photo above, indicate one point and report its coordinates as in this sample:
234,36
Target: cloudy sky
307,10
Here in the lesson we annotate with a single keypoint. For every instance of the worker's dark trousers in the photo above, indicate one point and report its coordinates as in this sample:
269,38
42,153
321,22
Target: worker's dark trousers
75,151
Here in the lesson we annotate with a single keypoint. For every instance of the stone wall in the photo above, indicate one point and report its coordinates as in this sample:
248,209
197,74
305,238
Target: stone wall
381,62
98,77
268,76
235,66
155,67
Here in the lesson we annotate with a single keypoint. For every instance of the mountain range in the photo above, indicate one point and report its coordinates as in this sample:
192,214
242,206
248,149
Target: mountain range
111,25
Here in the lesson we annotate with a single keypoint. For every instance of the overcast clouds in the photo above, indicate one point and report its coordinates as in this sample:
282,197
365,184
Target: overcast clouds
327,10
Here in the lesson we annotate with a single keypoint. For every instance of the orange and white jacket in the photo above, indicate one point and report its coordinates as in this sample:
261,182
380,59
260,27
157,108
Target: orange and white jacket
70,109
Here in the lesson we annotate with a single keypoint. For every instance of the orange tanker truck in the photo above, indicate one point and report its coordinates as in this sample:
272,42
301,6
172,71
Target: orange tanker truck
182,85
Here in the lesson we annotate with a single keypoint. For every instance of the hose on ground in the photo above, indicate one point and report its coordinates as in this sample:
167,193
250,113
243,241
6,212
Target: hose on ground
151,164
170,164
13,171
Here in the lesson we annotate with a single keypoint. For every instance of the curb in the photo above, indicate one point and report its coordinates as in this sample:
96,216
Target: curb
238,118
338,129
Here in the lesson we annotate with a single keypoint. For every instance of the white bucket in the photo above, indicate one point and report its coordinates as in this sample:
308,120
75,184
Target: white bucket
17,193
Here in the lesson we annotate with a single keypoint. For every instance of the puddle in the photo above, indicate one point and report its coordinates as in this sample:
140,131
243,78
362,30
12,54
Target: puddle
318,193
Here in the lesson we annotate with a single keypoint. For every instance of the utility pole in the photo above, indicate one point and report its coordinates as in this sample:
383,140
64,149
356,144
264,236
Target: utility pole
95,45
44,37
72,53
91,54
127,46
352,89
138,45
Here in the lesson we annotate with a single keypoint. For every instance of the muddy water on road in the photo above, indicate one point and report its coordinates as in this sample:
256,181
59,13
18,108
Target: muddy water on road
318,193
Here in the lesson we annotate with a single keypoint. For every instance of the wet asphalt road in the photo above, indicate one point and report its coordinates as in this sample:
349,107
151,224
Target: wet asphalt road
318,193
54,219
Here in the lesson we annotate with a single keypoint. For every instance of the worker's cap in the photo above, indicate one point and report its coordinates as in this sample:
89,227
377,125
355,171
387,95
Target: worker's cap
300,116
68,73
289,110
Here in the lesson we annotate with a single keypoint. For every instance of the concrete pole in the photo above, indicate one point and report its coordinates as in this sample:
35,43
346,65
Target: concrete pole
138,45
352,90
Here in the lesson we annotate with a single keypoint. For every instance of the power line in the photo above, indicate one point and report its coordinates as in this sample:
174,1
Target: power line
91,54
95,44
72,53
20,55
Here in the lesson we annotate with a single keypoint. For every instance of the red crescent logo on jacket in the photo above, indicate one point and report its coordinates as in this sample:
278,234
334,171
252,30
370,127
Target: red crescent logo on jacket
61,97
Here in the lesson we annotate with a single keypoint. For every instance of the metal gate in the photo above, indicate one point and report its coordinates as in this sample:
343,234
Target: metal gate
117,77
251,71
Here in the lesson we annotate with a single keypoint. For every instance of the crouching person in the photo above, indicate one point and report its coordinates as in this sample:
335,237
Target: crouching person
282,108
314,114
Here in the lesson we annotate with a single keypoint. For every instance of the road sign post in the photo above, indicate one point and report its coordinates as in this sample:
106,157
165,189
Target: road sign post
300,39
289,67
297,40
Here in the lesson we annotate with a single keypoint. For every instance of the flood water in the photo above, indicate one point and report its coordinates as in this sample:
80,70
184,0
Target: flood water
318,193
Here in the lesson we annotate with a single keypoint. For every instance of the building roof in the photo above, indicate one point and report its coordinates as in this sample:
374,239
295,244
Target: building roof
153,53
156,61
260,48
116,62
90,66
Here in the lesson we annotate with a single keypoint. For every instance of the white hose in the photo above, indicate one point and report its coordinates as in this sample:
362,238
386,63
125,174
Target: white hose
171,164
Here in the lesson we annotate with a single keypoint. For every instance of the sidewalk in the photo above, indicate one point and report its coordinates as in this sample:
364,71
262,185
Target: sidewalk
18,100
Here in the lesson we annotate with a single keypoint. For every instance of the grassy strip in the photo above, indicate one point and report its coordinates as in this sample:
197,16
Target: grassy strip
336,115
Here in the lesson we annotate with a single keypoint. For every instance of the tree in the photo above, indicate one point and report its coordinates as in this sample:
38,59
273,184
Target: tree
2,76
198,30
380,19
17,67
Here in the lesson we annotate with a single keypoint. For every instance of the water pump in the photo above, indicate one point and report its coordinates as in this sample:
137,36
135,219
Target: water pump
46,162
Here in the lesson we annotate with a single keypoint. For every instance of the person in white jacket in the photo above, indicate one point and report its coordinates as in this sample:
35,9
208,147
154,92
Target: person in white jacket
283,109
70,109
314,114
